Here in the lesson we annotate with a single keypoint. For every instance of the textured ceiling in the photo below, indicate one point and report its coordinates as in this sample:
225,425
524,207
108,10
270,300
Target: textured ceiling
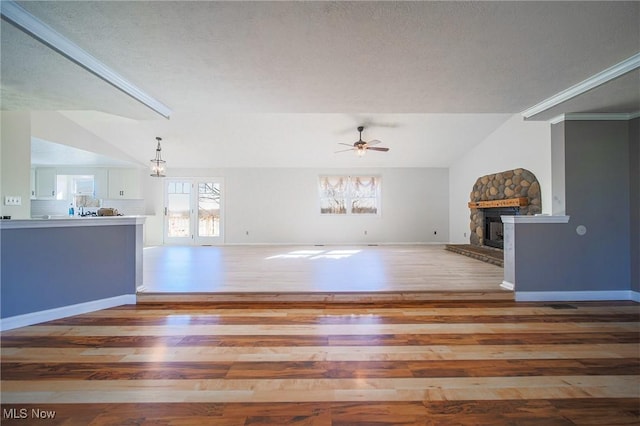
281,83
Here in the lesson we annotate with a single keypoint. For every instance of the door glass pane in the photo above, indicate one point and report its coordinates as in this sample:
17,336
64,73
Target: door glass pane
209,209
178,208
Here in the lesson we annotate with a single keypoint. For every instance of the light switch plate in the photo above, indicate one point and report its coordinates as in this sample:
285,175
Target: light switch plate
12,200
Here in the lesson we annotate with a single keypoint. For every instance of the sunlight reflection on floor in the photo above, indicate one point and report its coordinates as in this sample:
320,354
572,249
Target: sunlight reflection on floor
315,254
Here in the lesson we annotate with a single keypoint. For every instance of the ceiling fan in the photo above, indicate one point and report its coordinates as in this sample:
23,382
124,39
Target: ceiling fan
361,147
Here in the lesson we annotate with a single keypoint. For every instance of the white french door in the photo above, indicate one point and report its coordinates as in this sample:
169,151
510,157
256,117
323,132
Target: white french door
193,213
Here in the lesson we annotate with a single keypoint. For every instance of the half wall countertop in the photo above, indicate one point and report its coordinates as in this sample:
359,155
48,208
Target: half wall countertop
66,222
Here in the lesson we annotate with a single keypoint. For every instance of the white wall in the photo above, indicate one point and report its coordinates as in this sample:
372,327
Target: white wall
517,143
280,206
54,127
15,172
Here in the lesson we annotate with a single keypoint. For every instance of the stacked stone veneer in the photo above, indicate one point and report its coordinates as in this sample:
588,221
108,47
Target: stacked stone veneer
502,186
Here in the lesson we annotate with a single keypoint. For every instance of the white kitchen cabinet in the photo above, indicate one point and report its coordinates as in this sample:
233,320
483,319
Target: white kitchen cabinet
45,182
124,183
101,183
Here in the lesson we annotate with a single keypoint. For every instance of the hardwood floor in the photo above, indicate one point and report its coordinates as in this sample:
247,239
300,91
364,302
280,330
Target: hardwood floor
317,363
314,269
325,336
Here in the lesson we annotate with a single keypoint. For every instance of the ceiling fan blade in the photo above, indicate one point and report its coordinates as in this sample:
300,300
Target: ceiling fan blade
375,148
343,150
374,142
347,144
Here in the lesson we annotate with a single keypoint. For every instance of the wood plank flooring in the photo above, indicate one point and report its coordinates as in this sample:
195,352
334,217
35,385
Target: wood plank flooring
317,363
314,269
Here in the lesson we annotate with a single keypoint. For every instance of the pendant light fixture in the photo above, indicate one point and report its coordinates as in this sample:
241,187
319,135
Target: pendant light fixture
158,165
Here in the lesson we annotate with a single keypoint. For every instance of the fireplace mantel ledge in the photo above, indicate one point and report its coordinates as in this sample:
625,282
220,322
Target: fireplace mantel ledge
535,219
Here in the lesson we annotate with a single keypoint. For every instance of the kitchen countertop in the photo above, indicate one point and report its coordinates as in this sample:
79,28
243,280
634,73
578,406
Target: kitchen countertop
62,222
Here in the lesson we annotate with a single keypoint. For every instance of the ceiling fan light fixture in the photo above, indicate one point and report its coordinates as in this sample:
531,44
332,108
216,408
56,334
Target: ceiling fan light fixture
361,147
158,165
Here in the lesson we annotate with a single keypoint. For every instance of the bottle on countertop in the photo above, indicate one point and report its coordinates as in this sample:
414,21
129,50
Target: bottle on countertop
71,211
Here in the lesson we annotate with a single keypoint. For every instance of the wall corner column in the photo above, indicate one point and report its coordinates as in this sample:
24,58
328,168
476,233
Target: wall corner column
15,162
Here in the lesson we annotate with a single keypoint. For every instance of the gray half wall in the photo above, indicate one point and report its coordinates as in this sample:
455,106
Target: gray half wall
552,257
46,268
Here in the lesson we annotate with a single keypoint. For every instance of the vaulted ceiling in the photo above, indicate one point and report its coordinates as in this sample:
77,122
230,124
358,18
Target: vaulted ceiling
279,84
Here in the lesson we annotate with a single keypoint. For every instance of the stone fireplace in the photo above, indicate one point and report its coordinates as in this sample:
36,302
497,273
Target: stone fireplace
512,192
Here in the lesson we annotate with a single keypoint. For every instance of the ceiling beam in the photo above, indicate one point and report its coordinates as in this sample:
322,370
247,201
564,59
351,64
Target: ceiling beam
25,21
584,86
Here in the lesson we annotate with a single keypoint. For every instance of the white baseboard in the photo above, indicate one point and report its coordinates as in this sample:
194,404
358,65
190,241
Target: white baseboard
506,285
575,296
65,311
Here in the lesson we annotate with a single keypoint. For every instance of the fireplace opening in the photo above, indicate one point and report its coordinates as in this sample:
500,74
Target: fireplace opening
493,227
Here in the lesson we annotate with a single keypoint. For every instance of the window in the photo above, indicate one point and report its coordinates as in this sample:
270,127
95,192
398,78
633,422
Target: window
349,194
68,186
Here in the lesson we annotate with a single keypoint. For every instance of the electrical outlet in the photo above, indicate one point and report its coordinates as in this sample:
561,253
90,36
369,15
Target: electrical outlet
465,235
12,200
365,232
